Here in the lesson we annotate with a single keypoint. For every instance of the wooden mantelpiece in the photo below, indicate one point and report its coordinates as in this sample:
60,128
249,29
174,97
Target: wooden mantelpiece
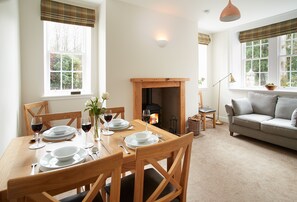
140,83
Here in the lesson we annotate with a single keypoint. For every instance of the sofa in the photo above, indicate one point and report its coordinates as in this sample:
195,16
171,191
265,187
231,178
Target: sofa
265,117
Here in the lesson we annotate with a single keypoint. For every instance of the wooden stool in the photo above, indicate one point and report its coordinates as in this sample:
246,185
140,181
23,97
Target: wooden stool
204,112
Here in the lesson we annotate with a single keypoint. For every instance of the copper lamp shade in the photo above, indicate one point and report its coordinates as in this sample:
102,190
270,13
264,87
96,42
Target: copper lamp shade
230,13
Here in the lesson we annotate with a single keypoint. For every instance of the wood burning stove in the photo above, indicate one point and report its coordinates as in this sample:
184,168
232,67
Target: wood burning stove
155,109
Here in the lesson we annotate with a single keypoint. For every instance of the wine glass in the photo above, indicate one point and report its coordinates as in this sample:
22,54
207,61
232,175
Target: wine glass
86,126
146,114
36,125
108,118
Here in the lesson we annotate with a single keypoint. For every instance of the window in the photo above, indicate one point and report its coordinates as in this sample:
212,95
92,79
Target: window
288,60
67,58
255,60
202,51
272,60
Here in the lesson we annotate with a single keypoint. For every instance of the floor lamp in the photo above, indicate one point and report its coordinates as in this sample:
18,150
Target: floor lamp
232,80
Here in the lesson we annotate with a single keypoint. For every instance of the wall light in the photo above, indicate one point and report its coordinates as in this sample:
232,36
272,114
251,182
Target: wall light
162,42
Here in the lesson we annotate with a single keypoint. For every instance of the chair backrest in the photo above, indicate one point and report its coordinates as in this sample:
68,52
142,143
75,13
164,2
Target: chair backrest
33,109
69,117
43,186
177,173
118,112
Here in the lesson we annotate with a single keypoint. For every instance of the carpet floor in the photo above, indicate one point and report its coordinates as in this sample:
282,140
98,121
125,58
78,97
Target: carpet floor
226,168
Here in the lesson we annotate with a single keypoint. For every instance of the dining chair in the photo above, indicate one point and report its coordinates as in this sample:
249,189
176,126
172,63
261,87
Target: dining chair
68,117
32,109
118,112
45,186
206,112
157,183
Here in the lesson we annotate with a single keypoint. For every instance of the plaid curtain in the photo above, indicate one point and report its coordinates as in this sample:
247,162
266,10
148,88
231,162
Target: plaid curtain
273,30
65,13
203,39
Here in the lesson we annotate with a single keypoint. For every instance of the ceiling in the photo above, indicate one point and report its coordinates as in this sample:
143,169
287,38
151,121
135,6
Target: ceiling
251,10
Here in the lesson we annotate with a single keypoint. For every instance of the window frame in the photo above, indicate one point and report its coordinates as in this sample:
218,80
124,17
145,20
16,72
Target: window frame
86,65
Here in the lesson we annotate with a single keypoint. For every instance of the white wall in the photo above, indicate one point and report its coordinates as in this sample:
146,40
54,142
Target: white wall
9,72
32,61
132,52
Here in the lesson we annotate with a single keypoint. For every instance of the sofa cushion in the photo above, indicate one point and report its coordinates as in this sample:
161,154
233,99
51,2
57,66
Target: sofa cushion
281,127
242,106
294,118
263,103
285,107
251,120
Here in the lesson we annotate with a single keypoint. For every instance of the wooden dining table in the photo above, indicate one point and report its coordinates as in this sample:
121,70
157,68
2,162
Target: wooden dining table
17,159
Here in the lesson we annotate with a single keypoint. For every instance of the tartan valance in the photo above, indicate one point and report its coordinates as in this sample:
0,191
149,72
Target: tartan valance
203,39
269,31
65,13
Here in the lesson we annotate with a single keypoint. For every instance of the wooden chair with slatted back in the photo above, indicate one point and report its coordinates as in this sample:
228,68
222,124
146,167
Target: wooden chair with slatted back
118,112
33,109
156,183
206,112
44,186
69,117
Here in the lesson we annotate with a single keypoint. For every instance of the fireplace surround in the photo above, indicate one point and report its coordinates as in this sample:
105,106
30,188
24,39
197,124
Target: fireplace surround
141,83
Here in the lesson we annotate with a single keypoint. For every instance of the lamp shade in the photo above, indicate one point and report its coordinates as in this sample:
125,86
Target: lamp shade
232,80
230,13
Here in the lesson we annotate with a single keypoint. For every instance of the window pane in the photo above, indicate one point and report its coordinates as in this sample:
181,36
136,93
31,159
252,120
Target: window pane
294,79
66,63
256,42
265,50
67,80
248,65
264,65
55,62
249,51
288,64
256,65
249,43
264,78
294,49
294,63
55,80
288,47
77,80
256,81
77,63
264,41
284,80
256,51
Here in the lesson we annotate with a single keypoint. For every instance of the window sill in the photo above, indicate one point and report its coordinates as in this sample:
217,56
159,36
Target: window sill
265,90
66,97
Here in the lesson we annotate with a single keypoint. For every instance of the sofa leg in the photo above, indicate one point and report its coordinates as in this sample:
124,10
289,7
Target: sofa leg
231,133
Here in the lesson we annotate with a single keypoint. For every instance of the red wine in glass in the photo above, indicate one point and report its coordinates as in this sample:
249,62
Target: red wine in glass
107,117
146,118
146,115
36,127
86,127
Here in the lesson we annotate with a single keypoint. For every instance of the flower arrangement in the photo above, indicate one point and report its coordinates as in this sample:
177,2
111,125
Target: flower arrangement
95,108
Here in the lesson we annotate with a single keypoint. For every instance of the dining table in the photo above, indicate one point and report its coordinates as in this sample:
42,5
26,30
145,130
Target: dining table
17,159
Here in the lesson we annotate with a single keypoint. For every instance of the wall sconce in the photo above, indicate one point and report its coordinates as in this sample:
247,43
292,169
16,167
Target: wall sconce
162,42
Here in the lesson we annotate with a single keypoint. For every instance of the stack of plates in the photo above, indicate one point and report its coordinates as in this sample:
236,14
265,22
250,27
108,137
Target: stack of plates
118,124
132,143
59,133
48,162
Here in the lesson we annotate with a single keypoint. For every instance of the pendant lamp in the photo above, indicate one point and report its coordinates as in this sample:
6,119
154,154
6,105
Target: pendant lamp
230,13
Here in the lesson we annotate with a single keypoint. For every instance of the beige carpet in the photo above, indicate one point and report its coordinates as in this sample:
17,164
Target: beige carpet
226,168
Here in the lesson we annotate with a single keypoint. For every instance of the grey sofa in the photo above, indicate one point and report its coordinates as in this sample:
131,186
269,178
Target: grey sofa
265,117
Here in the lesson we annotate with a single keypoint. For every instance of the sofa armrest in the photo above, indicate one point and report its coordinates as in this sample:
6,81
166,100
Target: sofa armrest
229,109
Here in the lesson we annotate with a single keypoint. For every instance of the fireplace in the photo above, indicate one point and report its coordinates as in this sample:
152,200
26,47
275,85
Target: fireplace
177,85
155,109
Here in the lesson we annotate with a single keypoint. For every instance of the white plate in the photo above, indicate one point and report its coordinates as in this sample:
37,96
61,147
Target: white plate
48,162
50,134
59,138
125,124
132,142
58,130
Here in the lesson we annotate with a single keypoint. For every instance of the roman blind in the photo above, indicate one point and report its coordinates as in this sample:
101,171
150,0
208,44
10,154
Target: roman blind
203,39
269,31
66,13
